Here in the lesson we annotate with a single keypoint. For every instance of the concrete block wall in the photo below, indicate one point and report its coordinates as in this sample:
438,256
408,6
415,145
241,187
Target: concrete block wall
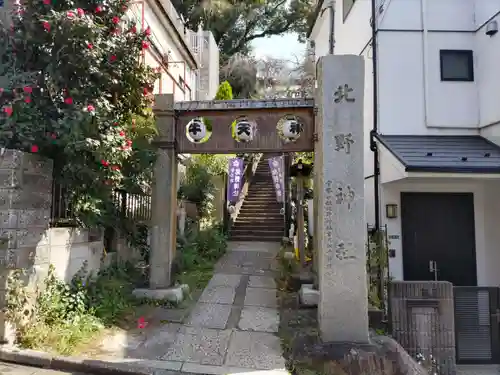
26,240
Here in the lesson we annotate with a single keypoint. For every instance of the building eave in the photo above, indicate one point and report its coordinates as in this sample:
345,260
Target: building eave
317,12
187,48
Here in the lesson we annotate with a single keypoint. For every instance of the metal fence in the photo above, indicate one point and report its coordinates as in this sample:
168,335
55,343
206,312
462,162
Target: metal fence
61,213
377,267
477,321
136,207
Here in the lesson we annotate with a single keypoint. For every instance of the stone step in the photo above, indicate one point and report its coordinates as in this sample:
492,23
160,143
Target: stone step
261,192
251,238
259,219
265,211
275,220
258,227
271,204
257,233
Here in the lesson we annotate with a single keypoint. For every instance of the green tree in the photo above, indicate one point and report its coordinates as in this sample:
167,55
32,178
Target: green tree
235,24
74,90
224,92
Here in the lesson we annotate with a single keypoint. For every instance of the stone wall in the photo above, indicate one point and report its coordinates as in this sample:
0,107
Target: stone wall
26,241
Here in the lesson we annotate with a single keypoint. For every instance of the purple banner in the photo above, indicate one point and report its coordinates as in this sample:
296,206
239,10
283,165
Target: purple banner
235,179
276,166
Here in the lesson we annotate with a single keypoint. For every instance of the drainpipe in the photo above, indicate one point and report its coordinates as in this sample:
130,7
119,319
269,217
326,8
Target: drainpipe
373,133
425,63
331,39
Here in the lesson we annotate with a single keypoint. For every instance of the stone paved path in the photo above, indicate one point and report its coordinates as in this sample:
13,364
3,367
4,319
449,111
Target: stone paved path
231,329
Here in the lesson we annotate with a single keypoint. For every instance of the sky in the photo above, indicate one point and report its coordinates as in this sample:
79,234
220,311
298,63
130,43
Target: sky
282,47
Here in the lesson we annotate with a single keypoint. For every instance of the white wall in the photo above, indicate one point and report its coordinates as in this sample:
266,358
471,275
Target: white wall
403,101
405,106
486,208
165,39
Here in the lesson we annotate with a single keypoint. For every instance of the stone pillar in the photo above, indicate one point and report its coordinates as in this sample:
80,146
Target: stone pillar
300,221
341,230
164,196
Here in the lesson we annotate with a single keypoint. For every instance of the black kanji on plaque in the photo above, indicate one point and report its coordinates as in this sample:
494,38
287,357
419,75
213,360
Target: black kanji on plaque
295,127
194,127
243,127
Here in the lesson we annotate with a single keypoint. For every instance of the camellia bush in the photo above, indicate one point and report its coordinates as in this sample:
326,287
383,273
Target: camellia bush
73,89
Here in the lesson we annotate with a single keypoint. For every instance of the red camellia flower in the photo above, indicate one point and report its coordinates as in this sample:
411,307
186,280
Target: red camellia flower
34,148
90,108
104,163
112,58
8,111
98,9
46,2
46,25
133,29
145,91
129,142
145,45
115,168
122,134
28,89
53,136
68,100
115,31
70,14
147,31
90,45
27,99
115,19
80,12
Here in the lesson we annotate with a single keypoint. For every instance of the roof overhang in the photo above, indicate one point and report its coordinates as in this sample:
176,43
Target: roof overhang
317,14
394,169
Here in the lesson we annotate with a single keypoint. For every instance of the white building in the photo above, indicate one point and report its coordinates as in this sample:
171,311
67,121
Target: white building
438,86
188,61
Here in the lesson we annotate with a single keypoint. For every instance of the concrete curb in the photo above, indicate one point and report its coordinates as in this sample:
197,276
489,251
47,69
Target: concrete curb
78,364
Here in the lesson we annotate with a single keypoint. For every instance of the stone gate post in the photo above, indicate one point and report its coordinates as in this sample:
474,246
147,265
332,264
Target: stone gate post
164,196
341,229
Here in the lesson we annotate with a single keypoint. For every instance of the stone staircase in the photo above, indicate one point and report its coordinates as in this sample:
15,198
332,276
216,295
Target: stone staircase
259,218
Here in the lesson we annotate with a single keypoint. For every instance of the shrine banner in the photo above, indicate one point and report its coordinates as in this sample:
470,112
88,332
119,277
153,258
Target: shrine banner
276,164
235,178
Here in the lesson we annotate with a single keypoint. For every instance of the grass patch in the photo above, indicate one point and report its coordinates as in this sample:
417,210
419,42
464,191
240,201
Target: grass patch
297,326
65,317
70,318
197,255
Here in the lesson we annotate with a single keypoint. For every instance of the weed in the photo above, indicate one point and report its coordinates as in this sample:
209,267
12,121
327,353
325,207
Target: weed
197,254
61,316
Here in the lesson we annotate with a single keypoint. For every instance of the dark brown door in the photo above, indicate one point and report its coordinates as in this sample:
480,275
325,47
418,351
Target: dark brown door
438,232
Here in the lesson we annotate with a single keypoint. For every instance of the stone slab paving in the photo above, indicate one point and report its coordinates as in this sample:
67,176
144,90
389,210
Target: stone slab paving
233,327
230,330
260,319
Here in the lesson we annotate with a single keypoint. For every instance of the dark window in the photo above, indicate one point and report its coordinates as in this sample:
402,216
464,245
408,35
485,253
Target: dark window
346,7
457,65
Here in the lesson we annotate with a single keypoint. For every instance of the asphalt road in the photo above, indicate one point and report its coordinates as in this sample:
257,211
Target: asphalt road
13,369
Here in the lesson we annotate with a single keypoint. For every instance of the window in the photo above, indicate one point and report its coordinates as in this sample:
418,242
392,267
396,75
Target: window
456,65
346,7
